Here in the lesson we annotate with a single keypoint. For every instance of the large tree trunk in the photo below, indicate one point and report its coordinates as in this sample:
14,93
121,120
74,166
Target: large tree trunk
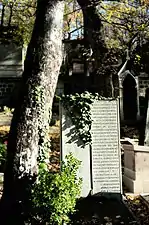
28,137
94,37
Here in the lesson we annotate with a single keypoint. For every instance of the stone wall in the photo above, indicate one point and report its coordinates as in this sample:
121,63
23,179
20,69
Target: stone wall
8,91
11,68
143,85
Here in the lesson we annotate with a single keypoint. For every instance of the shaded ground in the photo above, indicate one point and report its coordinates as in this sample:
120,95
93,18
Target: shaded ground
139,208
102,211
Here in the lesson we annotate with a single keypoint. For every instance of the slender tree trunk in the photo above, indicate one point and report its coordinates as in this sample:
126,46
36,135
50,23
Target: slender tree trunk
28,138
2,16
10,16
94,37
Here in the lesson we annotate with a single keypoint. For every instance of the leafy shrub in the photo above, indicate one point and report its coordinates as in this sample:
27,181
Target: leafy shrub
55,194
3,148
8,110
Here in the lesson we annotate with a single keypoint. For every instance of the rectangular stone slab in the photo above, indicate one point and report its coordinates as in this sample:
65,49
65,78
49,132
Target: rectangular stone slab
106,159
70,143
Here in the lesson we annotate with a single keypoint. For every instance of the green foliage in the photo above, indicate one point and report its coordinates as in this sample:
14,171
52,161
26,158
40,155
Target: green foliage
8,110
3,148
21,14
78,107
125,23
54,196
19,18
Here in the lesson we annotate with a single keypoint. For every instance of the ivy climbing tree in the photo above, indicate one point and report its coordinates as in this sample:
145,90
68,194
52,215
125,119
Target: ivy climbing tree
28,138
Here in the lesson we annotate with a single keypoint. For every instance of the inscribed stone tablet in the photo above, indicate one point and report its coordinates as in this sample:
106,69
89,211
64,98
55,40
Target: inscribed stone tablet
106,165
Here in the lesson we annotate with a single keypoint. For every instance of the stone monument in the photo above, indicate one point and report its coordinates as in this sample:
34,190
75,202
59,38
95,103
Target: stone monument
101,160
106,155
72,144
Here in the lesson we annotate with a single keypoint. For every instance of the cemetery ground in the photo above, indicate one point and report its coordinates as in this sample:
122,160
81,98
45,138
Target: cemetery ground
95,210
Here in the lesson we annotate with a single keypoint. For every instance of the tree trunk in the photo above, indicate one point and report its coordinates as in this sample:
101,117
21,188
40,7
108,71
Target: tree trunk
28,138
94,37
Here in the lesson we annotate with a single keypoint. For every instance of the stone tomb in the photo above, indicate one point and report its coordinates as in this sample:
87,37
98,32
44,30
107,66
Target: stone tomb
101,164
136,167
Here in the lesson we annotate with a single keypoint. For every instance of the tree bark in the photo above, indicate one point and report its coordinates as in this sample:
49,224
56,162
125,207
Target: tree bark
94,36
28,138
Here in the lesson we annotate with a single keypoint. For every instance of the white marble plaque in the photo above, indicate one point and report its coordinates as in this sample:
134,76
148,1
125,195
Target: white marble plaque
105,130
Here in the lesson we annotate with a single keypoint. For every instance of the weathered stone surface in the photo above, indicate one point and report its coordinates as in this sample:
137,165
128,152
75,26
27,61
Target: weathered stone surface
106,165
136,171
11,60
146,141
71,143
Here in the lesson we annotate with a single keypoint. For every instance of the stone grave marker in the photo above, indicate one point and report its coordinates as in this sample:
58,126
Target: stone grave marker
72,144
144,131
101,161
146,141
106,163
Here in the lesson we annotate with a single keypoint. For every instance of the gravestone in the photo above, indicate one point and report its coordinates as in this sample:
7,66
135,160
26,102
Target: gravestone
101,164
146,140
106,157
72,144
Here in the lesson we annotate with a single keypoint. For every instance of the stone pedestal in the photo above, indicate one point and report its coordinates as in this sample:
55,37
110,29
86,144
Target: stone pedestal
136,167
